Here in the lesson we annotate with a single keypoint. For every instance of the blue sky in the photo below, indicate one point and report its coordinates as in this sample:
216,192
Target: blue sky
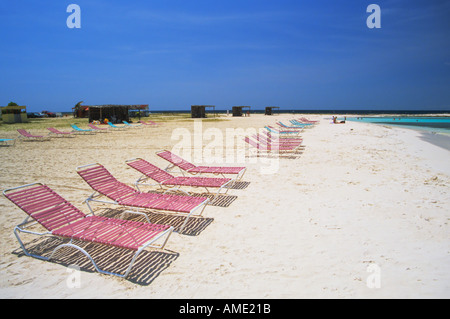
171,54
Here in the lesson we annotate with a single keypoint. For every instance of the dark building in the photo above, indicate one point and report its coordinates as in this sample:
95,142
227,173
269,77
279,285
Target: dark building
269,109
199,111
238,110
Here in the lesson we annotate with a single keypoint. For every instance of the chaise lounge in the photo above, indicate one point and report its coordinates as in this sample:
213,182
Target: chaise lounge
98,129
115,127
183,165
149,123
167,181
63,220
132,125
56,132
76,129
24,134
7,141
105,184
285,132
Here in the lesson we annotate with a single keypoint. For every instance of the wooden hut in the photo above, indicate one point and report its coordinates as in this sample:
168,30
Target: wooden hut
269,110
114,113
199,111
238,110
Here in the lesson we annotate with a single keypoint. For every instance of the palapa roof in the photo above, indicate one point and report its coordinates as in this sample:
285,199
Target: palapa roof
136,106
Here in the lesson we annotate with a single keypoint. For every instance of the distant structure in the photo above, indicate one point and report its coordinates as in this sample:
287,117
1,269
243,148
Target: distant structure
269,109
14,114
237,110
114,113
199,111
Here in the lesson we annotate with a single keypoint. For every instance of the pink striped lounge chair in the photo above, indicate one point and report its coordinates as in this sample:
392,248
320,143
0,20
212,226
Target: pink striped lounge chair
55,132
183,165
105,184
63,220
98,129
24,134
170,182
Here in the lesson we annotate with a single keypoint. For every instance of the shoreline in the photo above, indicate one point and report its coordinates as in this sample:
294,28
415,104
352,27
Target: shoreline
439,139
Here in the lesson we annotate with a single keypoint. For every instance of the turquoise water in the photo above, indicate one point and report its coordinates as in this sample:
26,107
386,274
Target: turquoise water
434,124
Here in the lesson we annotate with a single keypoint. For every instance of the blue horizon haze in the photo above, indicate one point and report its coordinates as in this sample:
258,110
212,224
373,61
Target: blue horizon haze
313,55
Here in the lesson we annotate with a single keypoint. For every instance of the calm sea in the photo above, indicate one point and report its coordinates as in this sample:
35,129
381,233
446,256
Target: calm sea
439,124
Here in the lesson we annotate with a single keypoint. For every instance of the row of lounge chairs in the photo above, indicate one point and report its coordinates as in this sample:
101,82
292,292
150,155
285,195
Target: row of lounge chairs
77,130
281,141
63,220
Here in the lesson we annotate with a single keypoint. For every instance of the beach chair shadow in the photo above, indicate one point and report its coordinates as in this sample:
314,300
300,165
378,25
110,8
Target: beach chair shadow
219,200
280,156
222,200
193,227
238,185
146,269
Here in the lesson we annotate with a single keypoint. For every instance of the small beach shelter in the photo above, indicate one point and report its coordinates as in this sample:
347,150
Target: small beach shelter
14,114
199,111
114,113
269,110
237,110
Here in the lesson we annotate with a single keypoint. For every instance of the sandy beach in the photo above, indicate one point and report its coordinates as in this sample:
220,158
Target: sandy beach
362,212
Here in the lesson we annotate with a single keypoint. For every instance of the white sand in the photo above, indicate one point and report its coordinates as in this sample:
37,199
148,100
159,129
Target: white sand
359,196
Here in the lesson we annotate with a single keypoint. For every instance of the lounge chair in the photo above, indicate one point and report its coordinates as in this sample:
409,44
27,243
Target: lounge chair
295,127
166,180
183,165
282,138
98,129
284,142
131,125
24,134
63,220
302,124
55,132
277,146
7,141
273,130
305,120
116,127
76,129
258,147
149,123
271,149
105,184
